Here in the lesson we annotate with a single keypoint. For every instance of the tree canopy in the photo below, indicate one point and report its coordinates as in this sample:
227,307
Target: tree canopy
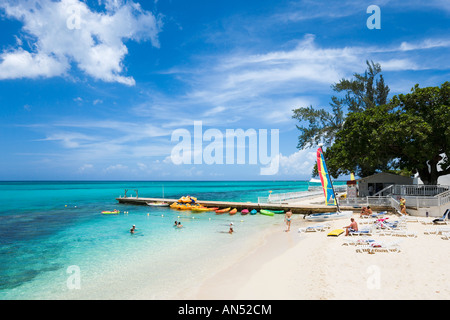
363,91
411,132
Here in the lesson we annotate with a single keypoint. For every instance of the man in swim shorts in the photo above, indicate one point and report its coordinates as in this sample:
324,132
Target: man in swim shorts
352,227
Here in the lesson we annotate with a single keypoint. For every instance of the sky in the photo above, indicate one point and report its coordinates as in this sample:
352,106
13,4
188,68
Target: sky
112,89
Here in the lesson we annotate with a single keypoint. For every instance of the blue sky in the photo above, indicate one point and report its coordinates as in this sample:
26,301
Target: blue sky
95,89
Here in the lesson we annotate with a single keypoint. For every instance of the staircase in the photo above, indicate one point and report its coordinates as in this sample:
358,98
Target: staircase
420,199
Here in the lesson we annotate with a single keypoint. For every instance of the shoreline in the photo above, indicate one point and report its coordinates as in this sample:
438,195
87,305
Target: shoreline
293,266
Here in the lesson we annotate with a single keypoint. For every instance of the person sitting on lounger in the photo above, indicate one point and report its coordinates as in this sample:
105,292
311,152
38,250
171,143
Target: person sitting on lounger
352,227
363,212
366,211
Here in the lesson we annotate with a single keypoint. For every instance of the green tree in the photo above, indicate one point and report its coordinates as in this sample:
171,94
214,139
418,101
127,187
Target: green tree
362,92
410,133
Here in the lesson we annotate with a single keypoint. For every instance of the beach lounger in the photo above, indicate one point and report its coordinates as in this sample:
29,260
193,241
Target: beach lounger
367,231
357,242
409,218
387,247
316,228
430,231
442,230
437,231
368,221
446,236
443,219
403,233
426,221
379,214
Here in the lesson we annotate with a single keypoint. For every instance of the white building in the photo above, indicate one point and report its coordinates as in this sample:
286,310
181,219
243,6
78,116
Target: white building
370,185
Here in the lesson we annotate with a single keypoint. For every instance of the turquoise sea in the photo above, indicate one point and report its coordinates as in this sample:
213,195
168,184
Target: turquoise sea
49,229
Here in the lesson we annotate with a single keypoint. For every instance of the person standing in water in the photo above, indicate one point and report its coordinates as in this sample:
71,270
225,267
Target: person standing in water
288,218
133,229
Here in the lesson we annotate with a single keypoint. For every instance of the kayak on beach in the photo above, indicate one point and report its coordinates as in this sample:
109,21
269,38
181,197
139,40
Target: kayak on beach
223,210
203,209
266,212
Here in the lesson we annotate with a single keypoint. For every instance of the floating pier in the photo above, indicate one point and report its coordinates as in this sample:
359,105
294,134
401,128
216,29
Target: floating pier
295,208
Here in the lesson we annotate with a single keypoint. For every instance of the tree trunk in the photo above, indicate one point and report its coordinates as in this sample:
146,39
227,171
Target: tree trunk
429,174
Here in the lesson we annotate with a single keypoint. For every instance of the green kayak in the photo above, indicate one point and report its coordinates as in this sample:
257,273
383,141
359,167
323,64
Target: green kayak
266,212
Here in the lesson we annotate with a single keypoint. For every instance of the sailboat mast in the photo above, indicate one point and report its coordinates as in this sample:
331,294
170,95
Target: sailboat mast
331,182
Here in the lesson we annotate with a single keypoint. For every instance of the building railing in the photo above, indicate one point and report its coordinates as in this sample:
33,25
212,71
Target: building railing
413,190
422,196
367,201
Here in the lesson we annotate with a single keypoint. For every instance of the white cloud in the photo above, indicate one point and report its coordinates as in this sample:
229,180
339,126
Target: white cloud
268,85
299,163
69,31
23,64
85,167
116,167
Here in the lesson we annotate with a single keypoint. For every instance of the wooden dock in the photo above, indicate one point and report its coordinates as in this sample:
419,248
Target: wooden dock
299,208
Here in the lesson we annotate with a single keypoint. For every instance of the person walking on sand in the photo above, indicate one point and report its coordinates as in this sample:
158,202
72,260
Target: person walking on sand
403,206
288,218
352,227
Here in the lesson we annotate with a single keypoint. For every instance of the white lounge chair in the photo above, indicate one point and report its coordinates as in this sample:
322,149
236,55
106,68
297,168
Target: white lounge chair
442,230
430,231
426,221
366,231
437,231
446,235
316,228
442,220
393,246
357,242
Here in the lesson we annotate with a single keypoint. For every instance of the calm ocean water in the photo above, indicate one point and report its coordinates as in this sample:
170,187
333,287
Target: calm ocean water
47,227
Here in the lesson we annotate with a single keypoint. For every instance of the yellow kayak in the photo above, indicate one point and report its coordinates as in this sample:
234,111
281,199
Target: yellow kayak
111,212
203,209
335,233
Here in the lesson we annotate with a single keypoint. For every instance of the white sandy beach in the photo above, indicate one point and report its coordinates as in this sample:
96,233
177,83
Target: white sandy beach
292,265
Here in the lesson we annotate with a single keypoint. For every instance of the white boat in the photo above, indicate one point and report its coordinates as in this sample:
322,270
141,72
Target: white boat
157,204
329,216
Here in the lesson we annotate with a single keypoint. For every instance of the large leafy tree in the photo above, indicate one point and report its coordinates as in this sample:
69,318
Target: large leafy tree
411,132
362,92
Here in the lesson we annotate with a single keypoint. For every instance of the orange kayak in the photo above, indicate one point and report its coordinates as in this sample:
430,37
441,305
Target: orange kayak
233,211
223,210
203,209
